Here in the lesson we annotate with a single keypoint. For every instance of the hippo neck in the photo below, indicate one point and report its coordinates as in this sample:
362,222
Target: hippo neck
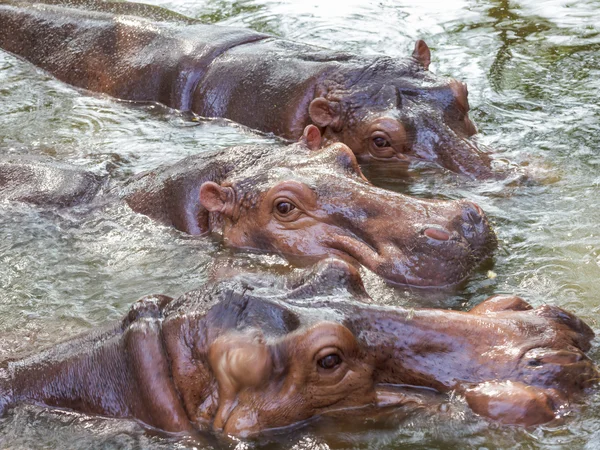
170,194
49,377
120,372
186,346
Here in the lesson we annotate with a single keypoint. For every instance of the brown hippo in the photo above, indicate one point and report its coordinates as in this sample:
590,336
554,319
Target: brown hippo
385,109
301,200
240,360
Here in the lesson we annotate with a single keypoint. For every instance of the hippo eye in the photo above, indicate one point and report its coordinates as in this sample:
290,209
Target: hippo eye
284,207
380,142
330,361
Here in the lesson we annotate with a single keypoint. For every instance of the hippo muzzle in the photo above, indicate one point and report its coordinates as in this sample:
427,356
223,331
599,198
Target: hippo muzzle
422,243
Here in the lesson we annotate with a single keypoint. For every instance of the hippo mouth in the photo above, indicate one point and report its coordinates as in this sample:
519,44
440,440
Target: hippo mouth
388,398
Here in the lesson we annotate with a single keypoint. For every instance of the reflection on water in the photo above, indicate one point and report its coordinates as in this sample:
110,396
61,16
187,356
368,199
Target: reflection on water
533,70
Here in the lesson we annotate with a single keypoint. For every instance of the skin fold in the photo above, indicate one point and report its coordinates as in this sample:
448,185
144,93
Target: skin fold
391,112
253,353
302,201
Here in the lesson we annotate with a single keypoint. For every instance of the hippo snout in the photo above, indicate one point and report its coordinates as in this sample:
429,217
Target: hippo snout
437,233
569,369
476,230
540,356
466,220
472,213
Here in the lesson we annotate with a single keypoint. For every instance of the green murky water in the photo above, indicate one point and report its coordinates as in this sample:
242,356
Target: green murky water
533,70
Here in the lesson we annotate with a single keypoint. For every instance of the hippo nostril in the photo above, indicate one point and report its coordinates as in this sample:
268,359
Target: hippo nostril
437,234
541,356
473,213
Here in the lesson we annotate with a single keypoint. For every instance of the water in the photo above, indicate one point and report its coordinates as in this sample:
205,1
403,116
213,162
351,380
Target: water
533,70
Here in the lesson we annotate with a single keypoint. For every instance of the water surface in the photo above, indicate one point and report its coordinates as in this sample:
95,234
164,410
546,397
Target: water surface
533,70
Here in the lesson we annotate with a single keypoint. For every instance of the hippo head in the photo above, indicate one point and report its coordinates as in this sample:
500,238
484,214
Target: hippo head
303,200
397,111
244,363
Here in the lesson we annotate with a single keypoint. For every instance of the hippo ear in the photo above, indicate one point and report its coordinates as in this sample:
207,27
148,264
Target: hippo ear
422,54
216,198
311,137
324,113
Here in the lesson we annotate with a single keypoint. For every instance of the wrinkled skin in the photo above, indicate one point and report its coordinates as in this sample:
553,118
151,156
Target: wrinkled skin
386,110
242,361
300,201
306,201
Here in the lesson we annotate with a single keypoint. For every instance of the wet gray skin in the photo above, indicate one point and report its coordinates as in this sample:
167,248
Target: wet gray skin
258,353
387,110
45,182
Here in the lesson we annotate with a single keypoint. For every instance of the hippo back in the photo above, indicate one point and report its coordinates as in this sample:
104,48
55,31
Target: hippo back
45,182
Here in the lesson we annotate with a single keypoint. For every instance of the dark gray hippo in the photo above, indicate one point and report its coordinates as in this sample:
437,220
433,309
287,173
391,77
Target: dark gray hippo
387,110
299,201
248,355
45,182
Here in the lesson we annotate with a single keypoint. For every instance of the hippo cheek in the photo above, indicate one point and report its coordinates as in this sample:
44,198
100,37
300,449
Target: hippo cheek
297,240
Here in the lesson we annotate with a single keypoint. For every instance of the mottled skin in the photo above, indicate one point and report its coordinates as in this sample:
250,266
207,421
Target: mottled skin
241,360
385,109
303,201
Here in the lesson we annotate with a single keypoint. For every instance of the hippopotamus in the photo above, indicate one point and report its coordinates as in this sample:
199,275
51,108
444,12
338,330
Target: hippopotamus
241,361
45,182
387,110
302,201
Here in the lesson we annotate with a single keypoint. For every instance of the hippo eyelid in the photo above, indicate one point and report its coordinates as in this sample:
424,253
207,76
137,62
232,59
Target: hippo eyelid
297,193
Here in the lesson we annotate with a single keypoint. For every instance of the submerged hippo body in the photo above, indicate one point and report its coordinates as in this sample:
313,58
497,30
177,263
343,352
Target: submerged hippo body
384,109
241,360
45,182
305,201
